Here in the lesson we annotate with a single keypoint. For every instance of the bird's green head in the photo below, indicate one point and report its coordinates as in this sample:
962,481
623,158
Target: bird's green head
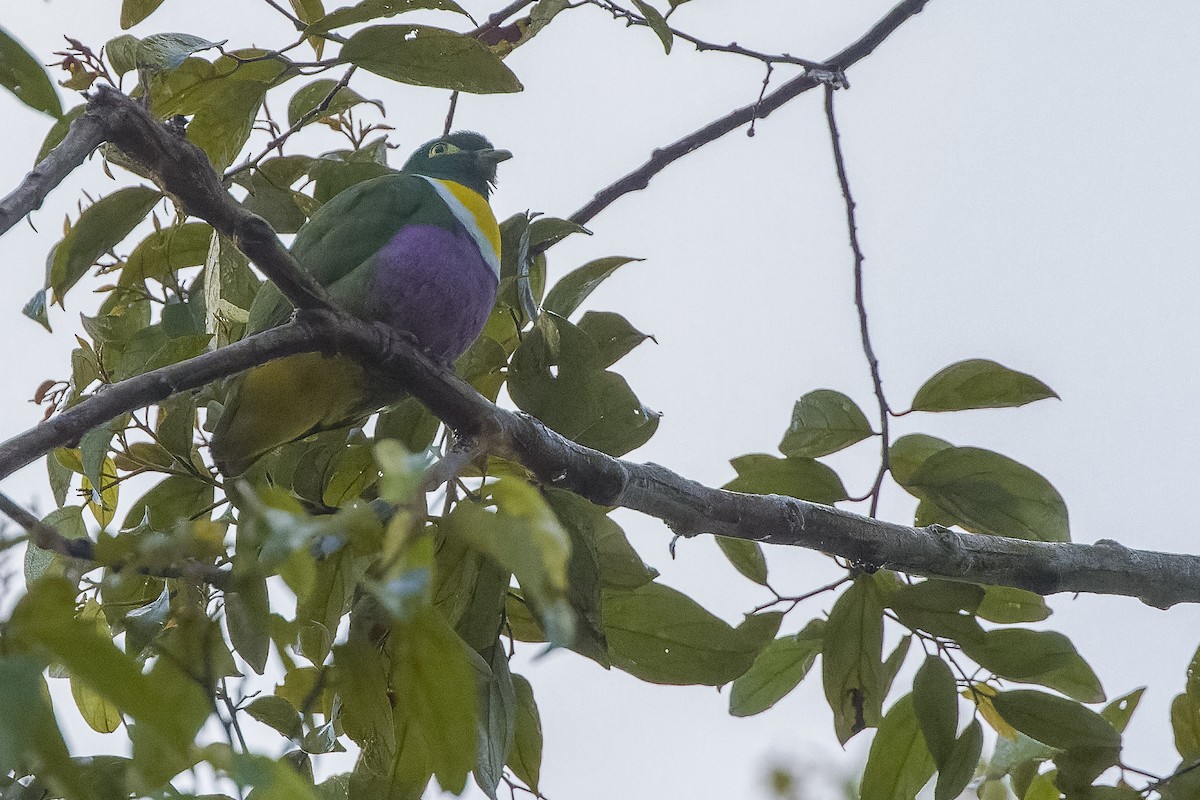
464,157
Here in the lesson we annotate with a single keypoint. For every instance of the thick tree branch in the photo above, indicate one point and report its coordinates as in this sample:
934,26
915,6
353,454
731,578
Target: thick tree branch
84,136
689,508
663,157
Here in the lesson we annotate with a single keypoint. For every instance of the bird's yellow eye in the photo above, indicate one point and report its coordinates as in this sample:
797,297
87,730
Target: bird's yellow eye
442,149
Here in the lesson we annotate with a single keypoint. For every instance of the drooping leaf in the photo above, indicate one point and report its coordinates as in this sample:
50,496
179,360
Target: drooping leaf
68,521
99,229
24,76
824,422
898,764
979,383
852,656
935,702
776,671
525,759
497,723
434,687
663,636
425,56
959,767
803,478
746,556
991,493
657,23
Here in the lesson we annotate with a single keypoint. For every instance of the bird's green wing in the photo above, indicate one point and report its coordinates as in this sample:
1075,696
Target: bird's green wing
343,236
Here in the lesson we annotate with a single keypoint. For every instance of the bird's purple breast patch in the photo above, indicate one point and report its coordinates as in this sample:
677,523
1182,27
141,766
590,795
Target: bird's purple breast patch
433,283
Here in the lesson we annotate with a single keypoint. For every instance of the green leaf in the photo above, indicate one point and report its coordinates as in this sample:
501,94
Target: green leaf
68,521
164,251
776,671
942,608
22,75
134,11
613,335
574,287
497,722
1185,724
361,674
852,655
29,733
35,309
909,452
247,611
1007,605
1056,721
935,702
978,383
525,758
824,422
620,565
555,376
100,228
122,53
657,23
526,539
175,498
435,696
802,478
276,713
314,99
100,715
898,764
1120,710
663,636
1042,657
991,493
163,52
164,699
959,767
424,56
374,9
746,556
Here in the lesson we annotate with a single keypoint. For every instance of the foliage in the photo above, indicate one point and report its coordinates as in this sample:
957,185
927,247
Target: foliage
406,614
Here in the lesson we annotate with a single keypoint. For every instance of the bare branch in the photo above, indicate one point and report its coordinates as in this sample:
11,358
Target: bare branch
860,302
663,157
84,136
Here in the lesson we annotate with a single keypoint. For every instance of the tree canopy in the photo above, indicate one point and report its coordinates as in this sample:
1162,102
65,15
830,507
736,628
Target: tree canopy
380,578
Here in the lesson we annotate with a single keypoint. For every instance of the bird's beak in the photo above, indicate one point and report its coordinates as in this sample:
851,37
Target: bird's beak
493,156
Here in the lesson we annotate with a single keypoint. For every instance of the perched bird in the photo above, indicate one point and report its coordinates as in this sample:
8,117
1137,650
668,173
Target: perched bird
418,250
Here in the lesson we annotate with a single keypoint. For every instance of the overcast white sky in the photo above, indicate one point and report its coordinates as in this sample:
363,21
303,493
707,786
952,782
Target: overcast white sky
1026,174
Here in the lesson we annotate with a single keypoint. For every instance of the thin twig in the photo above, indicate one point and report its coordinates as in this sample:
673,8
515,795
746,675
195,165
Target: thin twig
307,117
859,299
663,157
450,114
